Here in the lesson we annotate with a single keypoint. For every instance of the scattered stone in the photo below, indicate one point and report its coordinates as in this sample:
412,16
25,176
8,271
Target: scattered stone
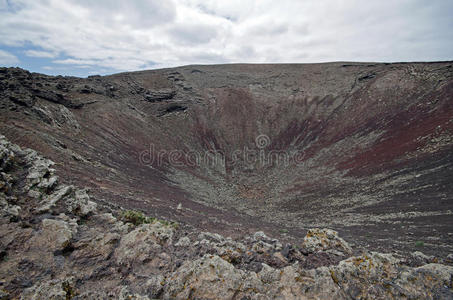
259,235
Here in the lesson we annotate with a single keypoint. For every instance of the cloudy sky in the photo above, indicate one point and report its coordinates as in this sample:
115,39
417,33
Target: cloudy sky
83,37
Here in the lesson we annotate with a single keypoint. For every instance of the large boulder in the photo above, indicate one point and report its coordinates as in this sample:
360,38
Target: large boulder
382,276
209,277
325,239
55,235
143,242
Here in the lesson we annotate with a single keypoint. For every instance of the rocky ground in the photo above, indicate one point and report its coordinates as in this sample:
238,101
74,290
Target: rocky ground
57,242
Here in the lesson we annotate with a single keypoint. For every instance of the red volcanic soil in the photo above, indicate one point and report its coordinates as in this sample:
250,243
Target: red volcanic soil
364,148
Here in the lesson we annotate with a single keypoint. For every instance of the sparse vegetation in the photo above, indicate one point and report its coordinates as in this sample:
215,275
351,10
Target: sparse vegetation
138,218
135,217
419,244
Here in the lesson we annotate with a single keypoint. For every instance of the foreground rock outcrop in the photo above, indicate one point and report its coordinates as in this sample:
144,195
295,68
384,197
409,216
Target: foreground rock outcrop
56,242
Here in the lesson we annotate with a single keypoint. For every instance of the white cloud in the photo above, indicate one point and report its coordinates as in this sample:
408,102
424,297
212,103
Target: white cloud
7,59
131,35
3,5
192,33
71,61
35,53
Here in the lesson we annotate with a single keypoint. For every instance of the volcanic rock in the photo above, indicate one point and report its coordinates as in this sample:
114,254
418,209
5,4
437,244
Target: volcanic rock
159,95
325,239
295,151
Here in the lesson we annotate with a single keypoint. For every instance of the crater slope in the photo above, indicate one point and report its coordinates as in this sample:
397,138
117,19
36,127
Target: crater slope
363,148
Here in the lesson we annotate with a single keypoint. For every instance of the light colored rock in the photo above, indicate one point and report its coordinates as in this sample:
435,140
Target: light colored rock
209,277
65,117
51,290
54,235
51,200
97,246
427,282
260,235
183,242
7,155
125,294
279,256
215,237
324,239
7,209
113,223
4,295
34,194
47,184
40,174
443,272
106,218
373,266
143,242
262,247
43,113
81,204
268,274
422,257
226,248
155,285
6,180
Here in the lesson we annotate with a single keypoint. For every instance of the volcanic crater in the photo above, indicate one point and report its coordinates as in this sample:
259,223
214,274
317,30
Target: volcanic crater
363,148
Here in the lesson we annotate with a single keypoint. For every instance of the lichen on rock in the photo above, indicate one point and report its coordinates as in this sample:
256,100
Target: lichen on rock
325,239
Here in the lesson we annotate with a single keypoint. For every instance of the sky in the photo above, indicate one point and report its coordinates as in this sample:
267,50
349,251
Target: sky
87,37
